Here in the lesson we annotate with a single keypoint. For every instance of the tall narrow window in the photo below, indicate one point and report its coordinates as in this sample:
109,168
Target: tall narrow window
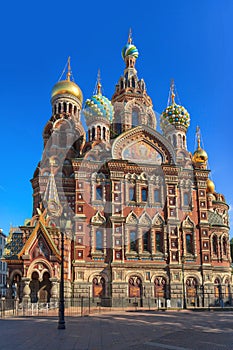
186,199
135,120
99,240
144,194
224,242
156,196
189,246
133,243
215,245
158,242
146,241
99,193
132,193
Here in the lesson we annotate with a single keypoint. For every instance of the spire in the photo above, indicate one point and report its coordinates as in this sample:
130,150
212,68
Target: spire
51,197
130,36
173,91
198,136
99,86
68,75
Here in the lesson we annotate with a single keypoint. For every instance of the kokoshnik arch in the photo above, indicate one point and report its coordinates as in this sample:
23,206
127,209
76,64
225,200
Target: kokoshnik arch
143,216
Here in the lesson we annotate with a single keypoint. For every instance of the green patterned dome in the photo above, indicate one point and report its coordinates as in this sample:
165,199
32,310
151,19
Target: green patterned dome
174,115
98,106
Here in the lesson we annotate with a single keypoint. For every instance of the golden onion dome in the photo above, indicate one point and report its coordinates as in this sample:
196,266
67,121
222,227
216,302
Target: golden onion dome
210,187
67,87
200,155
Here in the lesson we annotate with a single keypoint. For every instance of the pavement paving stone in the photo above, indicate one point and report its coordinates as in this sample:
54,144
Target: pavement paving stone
121,331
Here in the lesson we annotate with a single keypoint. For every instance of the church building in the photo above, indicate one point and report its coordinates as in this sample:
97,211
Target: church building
140,215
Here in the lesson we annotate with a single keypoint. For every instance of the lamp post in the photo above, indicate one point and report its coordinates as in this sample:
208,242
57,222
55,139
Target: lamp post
183,284
61,322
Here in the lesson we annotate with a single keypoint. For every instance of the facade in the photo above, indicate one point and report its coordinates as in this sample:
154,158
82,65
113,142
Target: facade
142,218
3,265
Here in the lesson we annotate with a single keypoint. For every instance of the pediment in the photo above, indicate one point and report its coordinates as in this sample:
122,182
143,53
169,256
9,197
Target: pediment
143,145
145,219
98,218
40,243
188,223
132,218
158,220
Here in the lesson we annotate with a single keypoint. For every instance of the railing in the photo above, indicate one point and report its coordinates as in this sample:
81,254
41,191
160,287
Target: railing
84,306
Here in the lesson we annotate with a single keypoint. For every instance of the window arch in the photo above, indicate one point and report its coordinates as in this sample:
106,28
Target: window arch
215,244
135,117
224,245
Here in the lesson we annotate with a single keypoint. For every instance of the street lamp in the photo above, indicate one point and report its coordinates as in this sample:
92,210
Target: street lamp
183,284
61,322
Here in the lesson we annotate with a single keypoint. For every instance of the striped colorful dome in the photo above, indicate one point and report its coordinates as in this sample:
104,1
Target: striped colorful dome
129,50
174,115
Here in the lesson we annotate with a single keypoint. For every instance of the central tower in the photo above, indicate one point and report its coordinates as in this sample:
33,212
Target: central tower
132,105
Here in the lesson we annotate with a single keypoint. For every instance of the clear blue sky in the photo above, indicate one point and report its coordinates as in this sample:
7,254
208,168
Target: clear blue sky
190,41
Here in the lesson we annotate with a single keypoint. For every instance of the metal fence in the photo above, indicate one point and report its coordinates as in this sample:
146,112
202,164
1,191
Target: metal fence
84,306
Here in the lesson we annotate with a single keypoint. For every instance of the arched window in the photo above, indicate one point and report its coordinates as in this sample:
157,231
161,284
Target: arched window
215,245
132,194
75,110
93,134
70,108
99,192
133,241
146,241
135,117
158,242
104,133
174,141
135,287
144,194
186,199
189,243
133,82
64,107
98,132
156,195
59,108
224,243
99,240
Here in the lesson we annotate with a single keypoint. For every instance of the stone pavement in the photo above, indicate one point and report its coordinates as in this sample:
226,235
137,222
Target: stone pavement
121,330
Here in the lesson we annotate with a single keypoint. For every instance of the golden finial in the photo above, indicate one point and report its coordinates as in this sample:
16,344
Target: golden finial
172,91
68,75
130,36
99,86
198,134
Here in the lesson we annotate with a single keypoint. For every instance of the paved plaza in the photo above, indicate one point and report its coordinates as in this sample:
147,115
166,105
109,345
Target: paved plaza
121,330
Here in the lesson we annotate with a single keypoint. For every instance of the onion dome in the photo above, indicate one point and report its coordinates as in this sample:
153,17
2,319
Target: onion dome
210,187
98,106
67,87
129,49
174,114
200,155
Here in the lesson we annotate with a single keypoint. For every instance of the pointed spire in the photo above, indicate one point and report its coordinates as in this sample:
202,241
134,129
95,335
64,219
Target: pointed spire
99,86
198,135
51,197
173,91
68,75
130,36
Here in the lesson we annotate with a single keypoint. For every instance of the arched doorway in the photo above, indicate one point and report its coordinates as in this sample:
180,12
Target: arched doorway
15,286
217,292
45,288
191,291
98,287
160,291
136,289
34,287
